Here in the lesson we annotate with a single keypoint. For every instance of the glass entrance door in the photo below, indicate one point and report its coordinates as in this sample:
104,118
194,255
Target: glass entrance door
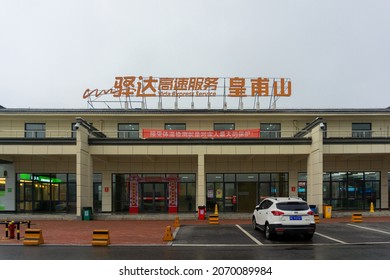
153,197
246,196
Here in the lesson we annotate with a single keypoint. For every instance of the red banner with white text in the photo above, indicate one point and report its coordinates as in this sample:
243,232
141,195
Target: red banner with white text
199,134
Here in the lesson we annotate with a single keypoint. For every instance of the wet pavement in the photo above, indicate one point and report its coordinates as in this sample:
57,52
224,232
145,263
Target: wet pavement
128,232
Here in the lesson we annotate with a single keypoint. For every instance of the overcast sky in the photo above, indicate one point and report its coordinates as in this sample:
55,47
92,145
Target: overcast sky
336,52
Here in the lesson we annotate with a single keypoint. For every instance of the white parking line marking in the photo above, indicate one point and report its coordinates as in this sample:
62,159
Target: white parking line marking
372,229
250,235
211,245
328,237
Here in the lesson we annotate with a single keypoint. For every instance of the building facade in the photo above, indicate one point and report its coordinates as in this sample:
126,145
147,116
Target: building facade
172,161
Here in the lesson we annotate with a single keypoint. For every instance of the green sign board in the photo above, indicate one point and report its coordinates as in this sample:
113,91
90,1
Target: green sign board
39,178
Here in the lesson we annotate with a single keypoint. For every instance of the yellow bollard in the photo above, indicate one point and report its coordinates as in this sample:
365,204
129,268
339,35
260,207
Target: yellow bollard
357,218
214,218
372,207
33,237
316,218
168,234
100,237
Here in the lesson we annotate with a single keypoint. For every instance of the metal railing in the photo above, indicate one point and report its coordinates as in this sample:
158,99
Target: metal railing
28,134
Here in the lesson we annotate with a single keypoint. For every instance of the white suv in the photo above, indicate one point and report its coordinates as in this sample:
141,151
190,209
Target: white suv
284,215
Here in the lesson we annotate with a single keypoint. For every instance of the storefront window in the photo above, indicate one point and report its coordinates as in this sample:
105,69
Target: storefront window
240,192
153,192
218,194
352,190
279,184
302,185
40,192
187,193
97,192
388,184
120,191
3,181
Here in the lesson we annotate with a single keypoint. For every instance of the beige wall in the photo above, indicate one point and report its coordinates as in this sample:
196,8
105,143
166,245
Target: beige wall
199,159
339,125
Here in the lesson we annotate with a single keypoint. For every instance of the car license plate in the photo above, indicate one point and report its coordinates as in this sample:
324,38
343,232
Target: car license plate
295,218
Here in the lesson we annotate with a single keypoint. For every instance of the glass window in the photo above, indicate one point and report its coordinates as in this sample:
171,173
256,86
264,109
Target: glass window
214,177
2,184
361,130
35,130
352,190
175,126
187,178
128,130
230,177
292,206
302,185
224,126
265,177
270,130
187,196
246,177
388,184
120,192
46,192
265,204
273,184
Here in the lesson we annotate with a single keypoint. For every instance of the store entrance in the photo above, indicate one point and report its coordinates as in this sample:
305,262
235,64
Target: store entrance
246,196
153,197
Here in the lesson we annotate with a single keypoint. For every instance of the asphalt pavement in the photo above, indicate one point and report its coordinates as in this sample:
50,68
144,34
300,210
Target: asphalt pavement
127,232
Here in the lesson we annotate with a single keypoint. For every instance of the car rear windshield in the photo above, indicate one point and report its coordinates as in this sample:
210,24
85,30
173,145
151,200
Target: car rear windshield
293,206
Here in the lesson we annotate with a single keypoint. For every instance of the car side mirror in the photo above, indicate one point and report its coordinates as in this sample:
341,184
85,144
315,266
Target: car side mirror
257,208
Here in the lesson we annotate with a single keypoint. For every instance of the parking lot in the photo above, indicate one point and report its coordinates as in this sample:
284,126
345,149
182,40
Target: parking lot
245,235
230,239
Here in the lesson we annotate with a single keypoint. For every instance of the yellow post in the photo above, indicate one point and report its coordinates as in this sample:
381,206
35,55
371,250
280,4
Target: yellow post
372,207
357,218
176,222
168,234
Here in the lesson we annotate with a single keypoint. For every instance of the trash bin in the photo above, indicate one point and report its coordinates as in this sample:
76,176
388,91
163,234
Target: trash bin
87,213
201,212
313,208
327,211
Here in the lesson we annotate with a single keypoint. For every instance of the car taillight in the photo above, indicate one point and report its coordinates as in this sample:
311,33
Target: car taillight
310,213
277,213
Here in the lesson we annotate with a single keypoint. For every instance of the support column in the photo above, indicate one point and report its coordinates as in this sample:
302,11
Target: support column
106,192
385,203
200,180
84,172
293,181
315,169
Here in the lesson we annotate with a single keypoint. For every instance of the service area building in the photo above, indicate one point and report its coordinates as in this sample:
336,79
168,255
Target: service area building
174,160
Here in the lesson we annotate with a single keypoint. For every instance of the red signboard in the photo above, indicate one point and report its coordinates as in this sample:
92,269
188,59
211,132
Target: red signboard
200,134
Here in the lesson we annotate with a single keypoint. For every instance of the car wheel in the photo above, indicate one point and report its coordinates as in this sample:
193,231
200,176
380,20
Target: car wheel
268,233
254,223
308,236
